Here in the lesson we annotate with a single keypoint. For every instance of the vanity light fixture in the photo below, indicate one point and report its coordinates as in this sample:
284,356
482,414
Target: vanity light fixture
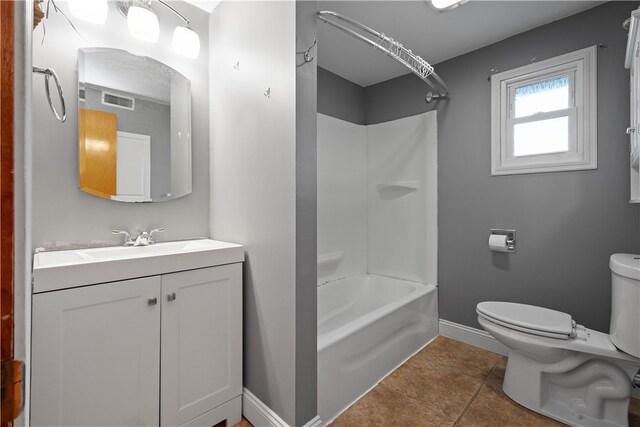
186,42
94,11
444,5
143,24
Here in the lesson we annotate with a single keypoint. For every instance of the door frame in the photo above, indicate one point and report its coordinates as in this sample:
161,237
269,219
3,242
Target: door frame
146,140
12,370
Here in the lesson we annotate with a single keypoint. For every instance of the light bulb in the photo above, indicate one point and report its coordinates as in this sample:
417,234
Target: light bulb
186,42
94,11
447,4
143,23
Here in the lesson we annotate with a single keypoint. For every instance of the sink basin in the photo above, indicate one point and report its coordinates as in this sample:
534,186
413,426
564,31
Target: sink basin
67,269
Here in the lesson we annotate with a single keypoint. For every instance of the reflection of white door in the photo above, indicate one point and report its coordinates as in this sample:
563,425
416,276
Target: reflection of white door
133,168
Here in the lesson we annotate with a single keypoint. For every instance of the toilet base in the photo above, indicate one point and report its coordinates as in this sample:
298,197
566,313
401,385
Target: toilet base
579,390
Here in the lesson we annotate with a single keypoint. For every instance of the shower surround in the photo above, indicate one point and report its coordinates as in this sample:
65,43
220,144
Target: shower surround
377,252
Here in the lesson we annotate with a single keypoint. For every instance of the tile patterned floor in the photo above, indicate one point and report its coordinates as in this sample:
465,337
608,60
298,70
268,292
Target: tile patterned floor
243,423
447,383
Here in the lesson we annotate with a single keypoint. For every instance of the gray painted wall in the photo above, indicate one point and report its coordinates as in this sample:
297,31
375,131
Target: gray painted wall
568,223
61,212
148,118
340,98
306,218
263,191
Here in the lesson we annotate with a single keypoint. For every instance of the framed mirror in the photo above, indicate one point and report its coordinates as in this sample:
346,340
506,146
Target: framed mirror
134,127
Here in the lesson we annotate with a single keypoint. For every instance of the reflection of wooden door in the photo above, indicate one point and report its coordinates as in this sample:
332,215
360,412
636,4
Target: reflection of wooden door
97,152
133,183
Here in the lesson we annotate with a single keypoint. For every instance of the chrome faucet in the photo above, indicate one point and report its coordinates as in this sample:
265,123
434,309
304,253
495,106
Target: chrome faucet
143,239
152,239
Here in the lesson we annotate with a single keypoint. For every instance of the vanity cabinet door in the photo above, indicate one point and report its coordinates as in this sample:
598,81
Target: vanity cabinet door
201,341
96,355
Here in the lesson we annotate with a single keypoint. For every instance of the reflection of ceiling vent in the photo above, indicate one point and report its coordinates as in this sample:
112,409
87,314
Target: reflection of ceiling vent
118,101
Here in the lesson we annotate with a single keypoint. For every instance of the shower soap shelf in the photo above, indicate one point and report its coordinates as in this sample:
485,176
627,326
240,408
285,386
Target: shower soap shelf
399,185
330,257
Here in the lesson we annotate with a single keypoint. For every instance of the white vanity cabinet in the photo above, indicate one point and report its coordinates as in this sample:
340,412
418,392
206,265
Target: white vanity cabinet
201,357
159,350
96,355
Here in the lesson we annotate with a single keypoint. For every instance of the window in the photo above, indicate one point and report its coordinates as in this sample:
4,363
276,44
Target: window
544,116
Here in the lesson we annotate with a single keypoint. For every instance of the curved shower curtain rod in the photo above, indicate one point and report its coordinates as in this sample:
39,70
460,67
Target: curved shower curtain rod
393,49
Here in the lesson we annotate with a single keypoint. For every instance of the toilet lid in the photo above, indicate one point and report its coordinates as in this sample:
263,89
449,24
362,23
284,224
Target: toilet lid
528,318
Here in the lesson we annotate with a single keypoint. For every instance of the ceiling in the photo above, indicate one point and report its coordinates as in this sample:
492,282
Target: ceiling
206,5
434,36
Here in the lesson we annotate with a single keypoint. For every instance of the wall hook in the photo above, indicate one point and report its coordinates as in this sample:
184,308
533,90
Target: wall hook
267,92
237,66
307,53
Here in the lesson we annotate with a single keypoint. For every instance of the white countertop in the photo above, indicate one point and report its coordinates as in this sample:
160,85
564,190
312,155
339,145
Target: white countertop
80,267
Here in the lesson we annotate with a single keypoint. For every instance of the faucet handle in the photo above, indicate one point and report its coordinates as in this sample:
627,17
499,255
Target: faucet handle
127,236
152,239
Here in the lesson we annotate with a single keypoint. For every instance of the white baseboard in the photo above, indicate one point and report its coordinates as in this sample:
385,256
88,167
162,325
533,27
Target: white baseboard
260,415
472,336
314,422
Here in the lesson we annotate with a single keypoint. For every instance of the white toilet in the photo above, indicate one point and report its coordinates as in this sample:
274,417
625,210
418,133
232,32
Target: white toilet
563,370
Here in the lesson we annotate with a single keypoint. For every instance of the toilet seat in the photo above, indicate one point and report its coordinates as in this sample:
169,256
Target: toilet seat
528,319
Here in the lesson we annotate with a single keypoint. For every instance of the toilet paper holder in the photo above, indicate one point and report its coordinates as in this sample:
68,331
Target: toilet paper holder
511,238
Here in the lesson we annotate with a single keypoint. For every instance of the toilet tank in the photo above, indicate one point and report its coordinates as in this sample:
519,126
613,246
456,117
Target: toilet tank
625,302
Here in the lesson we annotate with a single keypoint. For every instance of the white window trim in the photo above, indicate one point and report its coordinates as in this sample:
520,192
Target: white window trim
583,145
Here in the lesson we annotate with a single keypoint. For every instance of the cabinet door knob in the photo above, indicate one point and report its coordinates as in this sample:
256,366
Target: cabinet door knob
152,301
171,296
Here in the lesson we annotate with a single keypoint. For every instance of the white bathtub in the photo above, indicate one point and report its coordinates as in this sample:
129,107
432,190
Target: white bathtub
368,325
